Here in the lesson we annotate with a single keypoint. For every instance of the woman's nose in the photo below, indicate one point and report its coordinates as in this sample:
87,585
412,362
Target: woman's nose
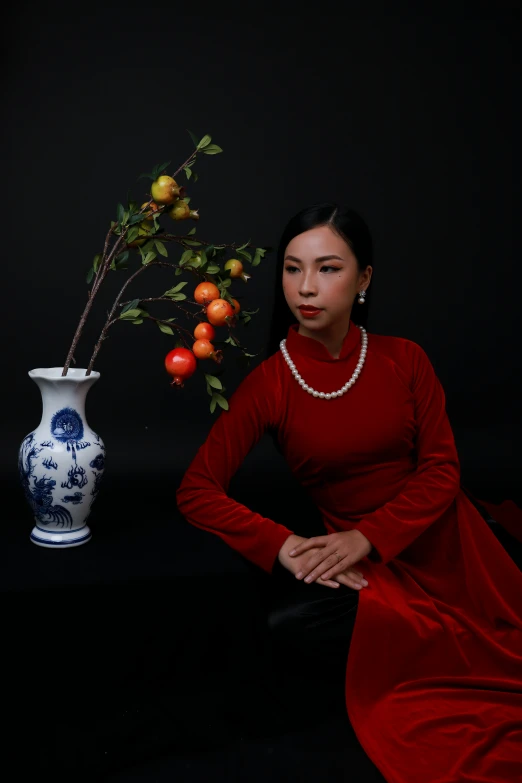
307,285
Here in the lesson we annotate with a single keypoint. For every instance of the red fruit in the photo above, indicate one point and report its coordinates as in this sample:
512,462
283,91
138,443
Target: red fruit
181,364
218,311
204,331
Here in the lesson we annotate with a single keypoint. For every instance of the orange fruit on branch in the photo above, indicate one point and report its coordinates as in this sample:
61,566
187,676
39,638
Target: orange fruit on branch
151,209
205,292
218,311
203,349
204,331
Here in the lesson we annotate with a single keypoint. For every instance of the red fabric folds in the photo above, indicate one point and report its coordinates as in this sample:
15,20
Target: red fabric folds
434,671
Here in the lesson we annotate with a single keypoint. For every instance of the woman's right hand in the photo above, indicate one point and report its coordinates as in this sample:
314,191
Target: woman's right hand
350,577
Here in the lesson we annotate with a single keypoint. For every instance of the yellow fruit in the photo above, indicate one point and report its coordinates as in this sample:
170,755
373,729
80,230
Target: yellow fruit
164,189
144,230
180,210
236,269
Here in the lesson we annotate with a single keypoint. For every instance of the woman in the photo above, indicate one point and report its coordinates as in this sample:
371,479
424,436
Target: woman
433,684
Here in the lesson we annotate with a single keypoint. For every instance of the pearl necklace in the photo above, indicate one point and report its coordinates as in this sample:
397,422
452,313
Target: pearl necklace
347,385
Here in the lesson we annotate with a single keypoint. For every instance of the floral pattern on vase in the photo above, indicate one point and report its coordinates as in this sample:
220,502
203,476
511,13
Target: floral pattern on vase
61,463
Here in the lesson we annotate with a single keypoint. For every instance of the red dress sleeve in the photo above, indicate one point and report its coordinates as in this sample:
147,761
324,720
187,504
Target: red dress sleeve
202,495
436,481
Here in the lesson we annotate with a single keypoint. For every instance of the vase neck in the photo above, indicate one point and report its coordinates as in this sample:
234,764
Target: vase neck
60,393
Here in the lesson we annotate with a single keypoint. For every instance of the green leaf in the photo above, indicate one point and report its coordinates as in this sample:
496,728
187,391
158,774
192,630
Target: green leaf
212,149
130,306
121,258
135,219
178,297
221,401
257,258
213,403
133,234
145,176
187,172
192,242
90,275
131,313
179,343
149,257
205,141
193,137
185,257
137,321
243,246
196,176
96,261
147,247
178,272
157,170
244,254
169,319
176,288
160,247
192,231
212,269
120,212
165,328
213,381
227,282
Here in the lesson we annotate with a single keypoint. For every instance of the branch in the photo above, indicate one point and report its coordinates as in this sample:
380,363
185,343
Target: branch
109,320
193,155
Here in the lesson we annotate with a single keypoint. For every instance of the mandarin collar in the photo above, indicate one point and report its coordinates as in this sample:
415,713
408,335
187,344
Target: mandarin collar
307,346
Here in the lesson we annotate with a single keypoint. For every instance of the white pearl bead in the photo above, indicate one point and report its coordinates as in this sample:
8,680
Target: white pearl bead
343,389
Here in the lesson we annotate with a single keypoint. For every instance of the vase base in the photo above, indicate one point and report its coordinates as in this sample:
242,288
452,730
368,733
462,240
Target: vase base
55,540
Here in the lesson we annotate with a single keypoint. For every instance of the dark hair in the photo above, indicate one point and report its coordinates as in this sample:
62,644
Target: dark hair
352,228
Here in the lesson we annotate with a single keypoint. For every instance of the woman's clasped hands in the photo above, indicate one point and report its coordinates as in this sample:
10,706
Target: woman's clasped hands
332,557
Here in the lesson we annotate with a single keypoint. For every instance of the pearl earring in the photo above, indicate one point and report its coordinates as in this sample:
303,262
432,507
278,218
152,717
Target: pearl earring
361,299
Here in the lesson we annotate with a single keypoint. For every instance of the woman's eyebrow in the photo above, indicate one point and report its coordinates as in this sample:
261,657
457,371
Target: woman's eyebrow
317,260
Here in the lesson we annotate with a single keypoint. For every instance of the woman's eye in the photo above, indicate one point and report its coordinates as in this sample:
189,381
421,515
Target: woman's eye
331,268
291,268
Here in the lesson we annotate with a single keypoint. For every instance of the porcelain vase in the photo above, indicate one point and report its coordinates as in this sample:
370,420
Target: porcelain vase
61,462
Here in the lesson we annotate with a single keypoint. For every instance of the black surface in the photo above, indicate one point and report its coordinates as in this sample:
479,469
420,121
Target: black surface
144,655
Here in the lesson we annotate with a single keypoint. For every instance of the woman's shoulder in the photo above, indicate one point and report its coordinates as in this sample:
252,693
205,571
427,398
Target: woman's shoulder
262,379
394,345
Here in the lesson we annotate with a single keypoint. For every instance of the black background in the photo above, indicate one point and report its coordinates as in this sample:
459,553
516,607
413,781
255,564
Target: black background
408,112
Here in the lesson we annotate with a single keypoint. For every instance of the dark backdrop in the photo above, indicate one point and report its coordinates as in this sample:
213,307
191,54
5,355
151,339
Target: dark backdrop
410,114
407,111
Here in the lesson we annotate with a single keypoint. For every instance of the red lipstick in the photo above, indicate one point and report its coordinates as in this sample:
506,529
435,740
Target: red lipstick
308,311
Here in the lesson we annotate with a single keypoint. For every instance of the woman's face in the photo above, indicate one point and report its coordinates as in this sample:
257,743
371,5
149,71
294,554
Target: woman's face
320,271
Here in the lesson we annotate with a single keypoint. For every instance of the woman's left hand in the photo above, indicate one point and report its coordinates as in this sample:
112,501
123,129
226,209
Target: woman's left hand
338,552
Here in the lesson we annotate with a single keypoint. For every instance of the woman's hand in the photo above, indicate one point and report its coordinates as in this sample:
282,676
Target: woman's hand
337,552
348,577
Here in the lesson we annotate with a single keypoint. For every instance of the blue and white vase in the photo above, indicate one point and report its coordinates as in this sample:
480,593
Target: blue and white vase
61,462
